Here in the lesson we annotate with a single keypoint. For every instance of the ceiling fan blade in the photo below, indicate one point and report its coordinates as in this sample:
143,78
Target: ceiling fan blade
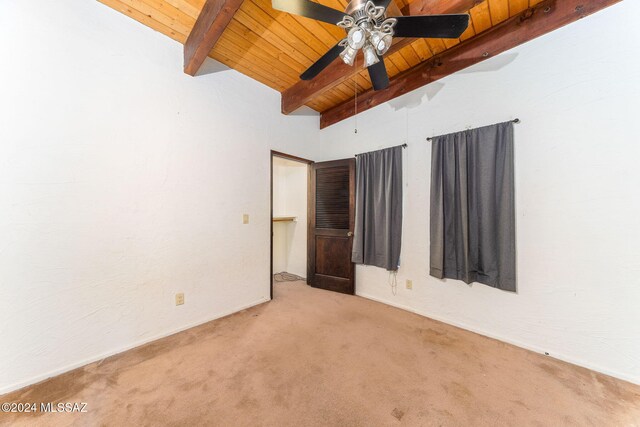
378,75
432,26
322,63
309,9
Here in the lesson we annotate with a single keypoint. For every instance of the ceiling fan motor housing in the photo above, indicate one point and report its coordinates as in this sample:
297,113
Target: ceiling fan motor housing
356,6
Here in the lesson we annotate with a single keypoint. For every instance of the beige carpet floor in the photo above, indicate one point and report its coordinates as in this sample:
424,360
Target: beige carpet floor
317,358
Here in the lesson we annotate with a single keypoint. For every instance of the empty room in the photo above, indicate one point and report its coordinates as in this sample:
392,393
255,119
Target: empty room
319,213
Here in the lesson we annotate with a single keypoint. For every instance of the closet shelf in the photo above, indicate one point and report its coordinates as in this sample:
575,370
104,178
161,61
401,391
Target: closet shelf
284,219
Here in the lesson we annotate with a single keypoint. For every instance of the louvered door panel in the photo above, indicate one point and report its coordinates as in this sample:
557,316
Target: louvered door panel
332,198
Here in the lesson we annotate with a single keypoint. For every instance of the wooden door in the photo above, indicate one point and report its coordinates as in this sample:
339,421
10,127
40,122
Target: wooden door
331,216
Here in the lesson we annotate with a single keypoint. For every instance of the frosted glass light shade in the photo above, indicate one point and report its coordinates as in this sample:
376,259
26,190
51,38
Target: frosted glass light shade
356,38
348,55
381,42
370,56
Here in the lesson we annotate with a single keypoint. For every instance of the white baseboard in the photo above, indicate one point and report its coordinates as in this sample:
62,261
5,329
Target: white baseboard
534,348
81,363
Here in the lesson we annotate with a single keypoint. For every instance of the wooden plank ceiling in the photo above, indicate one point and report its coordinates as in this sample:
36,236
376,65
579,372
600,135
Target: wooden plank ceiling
275,48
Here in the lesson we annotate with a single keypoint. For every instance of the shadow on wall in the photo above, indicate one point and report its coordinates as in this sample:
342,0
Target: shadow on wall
415,98
305,111
211,66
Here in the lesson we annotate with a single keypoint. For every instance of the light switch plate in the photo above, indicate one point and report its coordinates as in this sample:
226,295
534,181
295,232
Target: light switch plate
245,218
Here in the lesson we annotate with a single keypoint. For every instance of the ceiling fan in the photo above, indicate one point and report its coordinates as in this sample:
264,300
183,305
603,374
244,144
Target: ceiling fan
368,28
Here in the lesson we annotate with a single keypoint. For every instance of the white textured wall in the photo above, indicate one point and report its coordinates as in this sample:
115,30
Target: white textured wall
122,182
290,199
577,92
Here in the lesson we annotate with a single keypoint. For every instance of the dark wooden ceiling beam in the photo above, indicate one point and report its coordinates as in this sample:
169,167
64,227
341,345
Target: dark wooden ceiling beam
305,90
211,23
531,23
393,9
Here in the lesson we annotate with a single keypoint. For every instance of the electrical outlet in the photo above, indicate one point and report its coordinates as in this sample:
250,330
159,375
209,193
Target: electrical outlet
245,218
180,298
409,284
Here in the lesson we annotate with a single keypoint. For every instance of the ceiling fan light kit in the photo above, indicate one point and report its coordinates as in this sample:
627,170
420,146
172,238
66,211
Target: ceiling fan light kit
369,29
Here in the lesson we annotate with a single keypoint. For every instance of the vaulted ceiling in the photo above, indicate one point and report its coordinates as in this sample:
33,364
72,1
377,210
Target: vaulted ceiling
275,47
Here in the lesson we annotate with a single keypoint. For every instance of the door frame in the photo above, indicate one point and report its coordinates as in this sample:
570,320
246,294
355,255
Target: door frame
295,159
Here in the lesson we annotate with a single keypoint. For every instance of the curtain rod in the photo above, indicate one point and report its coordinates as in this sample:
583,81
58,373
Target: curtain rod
513,121
403,146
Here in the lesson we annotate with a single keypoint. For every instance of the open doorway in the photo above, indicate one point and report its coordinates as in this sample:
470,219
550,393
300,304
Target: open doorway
289,195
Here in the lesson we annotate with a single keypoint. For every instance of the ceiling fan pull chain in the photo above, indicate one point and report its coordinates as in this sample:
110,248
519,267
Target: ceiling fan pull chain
407,123
355,90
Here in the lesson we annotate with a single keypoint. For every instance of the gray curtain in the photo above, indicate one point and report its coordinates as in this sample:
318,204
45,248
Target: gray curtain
472,207
378,227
